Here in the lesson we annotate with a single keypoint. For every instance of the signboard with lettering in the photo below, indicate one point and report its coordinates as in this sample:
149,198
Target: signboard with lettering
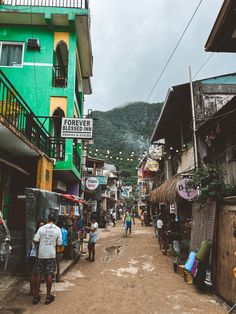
77,128
186,192
92,183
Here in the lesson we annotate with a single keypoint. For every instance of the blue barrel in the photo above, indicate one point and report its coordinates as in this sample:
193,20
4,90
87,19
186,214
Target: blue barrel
190,261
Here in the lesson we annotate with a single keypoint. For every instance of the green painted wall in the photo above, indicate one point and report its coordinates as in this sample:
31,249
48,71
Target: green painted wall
34,82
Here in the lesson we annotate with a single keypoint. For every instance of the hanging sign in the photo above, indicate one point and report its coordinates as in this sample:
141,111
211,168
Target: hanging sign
188,193
77,128
92,183
152,165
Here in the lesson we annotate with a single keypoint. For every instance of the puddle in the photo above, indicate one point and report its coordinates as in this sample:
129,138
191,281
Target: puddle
111,252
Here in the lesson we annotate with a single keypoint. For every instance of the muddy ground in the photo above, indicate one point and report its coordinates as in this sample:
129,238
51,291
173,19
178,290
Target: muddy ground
130,275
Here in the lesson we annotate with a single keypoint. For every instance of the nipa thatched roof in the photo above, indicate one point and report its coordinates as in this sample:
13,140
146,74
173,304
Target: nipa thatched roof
166,192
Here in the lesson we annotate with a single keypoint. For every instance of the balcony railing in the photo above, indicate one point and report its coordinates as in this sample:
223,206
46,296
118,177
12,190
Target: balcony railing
14,109
78,4
59,76
56,148
76,159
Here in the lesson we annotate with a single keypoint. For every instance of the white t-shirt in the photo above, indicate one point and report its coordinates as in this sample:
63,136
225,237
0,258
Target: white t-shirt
159,224
48,237
93,235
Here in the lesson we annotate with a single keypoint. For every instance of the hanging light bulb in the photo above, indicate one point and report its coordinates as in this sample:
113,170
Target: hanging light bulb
108,152
96,150
120,153
171,148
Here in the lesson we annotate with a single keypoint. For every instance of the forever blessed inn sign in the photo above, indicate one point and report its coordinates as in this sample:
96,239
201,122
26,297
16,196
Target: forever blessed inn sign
77,128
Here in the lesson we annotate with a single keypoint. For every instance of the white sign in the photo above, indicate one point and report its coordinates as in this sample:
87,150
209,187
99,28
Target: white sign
77,128
92,183
185,191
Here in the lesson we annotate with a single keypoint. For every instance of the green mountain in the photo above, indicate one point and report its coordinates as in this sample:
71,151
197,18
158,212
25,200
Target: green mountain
119,132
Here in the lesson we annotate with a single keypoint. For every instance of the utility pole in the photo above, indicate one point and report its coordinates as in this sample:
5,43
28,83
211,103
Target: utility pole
194,121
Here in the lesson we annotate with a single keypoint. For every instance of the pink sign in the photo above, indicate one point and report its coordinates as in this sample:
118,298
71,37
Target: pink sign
186,192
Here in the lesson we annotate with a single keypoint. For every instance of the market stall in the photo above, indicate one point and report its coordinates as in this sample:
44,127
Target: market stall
68,209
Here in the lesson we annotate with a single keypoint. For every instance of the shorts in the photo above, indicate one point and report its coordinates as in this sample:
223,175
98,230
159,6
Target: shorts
128,225
45,266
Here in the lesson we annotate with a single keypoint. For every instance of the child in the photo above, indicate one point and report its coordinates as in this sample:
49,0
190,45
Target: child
142,218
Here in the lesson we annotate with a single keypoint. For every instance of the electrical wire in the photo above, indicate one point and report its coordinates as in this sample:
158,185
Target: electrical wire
173,52
203,65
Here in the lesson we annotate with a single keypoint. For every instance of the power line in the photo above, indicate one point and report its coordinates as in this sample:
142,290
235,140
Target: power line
168,61
204,64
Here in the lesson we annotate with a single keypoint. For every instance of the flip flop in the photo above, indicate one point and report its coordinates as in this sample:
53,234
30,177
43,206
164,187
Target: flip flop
36,300
49,299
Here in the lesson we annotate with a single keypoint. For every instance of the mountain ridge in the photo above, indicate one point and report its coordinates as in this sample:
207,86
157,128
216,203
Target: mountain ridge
118,133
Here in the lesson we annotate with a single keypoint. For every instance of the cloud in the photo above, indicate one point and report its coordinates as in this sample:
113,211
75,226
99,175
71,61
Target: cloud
132,41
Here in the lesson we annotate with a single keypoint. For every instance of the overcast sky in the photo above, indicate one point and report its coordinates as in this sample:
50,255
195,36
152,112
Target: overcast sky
133,39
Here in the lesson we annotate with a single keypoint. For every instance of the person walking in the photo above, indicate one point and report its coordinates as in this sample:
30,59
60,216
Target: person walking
47,238
32,259
128,219
92,239
114,218
142,218
160,230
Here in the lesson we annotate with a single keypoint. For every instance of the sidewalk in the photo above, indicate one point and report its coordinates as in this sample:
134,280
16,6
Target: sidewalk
10,284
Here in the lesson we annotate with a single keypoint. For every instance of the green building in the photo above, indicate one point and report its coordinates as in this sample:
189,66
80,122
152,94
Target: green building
46,54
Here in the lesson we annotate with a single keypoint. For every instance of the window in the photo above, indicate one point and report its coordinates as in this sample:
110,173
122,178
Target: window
11,54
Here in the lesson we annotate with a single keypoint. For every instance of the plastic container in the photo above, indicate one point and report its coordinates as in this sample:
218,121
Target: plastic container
194,268
204,251
180,270
188,278
190,261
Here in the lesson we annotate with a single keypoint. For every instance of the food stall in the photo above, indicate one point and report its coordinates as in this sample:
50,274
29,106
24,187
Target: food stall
67,208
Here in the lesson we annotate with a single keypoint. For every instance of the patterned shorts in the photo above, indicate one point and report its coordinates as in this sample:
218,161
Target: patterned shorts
45,266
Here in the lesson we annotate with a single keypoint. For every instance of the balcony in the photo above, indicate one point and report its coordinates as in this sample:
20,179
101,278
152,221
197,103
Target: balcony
77,4
56,148
59,76
18,116
76,159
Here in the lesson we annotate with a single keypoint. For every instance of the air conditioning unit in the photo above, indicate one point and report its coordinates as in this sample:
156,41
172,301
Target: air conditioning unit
33,44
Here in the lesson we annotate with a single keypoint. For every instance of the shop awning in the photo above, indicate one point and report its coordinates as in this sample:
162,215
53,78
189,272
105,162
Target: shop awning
166,192
74,198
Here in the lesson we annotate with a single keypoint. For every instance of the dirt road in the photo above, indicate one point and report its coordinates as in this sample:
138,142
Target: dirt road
130,275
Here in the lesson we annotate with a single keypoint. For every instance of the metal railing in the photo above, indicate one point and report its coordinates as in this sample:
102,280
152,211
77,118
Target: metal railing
76,159
14,109
59,76
78,4
57,148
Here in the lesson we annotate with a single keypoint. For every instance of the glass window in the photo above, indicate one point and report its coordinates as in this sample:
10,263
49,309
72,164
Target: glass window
11,54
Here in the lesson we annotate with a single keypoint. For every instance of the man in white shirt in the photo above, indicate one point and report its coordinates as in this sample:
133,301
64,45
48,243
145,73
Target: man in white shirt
93,231
160,230
47,238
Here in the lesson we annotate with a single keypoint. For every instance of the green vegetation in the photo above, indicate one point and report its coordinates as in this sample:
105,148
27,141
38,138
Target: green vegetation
210,181
117,132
